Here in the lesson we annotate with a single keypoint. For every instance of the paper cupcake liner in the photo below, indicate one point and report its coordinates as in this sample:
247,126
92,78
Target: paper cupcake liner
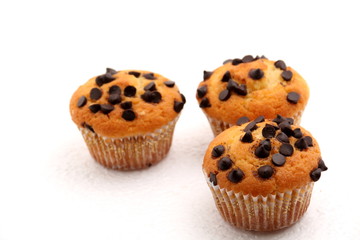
262,213
218,126
297,118
132,152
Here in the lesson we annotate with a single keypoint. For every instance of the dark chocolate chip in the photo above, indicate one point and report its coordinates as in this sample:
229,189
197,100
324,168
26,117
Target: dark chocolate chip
287,75
169,84
259,57
297,133
227,61
183,99
156,97
150,87
146,96
149,76
207,75
178,106
114,98
286,128
259,119
130,91
251,126
265,171
278,159
279,119
280,64
282,137
309,141
301,144
201,91
293,97
322,165
217,151
284,124
242,120
236,61
247,58
315,174
81,102
266,144
261,151
275,126
135,74
87,126
235,87
247,138
205,103
94,108
128,115
224,95
126,105
290,121
224,164
268,131
213,178
107,78
106,108
256,74
286,149
115,90
151,97
235,176
231,85
111,71
95,94
240,89
226,77
99,80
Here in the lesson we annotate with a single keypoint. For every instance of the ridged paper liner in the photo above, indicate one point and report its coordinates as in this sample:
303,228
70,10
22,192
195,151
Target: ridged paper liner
218,126
269,213
130,153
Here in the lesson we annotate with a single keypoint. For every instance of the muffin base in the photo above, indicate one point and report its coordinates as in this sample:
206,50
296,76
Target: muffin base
262,213
132,152
218,126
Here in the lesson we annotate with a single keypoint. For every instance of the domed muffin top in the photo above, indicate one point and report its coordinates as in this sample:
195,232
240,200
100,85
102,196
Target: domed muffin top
252,87
263,156
125,103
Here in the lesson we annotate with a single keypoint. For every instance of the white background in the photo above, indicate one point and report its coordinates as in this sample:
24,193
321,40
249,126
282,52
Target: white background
50,188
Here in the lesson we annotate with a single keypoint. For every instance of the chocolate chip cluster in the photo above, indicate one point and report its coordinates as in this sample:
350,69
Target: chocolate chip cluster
281,130
232,87
116,98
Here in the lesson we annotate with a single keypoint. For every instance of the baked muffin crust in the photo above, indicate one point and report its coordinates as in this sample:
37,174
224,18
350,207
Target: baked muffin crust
263,157
126,103
252,87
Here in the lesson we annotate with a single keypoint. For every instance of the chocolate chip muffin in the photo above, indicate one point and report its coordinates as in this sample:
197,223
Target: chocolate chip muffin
261,173
251,87
127,118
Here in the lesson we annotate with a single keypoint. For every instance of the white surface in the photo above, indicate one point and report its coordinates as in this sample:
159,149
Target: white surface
51,188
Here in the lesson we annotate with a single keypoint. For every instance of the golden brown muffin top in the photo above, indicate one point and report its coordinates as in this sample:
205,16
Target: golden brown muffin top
125,103
263,157
252,87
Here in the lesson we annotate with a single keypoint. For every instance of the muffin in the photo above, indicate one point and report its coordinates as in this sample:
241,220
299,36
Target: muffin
127,118
251,87
261,173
